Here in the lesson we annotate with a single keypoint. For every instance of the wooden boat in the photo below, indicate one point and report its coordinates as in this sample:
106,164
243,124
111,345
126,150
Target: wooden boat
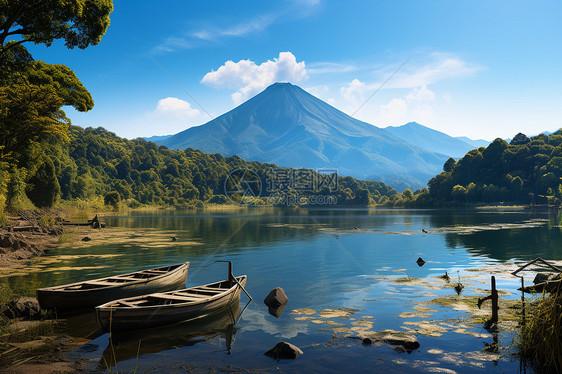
125,345
169,307
83,295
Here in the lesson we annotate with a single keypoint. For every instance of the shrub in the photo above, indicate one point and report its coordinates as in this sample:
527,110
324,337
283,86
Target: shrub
112,198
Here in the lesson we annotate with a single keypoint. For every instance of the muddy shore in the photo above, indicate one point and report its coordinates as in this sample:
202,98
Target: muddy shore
33,346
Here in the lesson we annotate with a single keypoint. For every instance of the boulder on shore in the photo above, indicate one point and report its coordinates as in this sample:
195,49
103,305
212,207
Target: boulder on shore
408,342
25,307
284,351
276,298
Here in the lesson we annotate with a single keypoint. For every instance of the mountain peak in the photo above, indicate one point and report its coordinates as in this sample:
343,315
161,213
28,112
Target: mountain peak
288,126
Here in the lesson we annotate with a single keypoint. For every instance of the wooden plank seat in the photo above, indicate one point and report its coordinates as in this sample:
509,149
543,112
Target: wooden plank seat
127,304
127,278
197,295
100,283
211,288
169,296
122,280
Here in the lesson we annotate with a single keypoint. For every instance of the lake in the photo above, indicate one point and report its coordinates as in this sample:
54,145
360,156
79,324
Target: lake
345,271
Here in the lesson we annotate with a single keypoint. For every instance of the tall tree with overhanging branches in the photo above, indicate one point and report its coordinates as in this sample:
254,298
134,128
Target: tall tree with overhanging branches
80,23
32,93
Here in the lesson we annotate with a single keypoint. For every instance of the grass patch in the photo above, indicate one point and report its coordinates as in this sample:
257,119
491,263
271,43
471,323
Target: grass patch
541,337
65,237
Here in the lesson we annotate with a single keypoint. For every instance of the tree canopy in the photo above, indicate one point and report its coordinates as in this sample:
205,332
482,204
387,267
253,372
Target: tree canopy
32,93
80,23
528,170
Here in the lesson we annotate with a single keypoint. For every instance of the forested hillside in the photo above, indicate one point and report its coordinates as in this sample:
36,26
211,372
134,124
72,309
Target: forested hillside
96,162
528,170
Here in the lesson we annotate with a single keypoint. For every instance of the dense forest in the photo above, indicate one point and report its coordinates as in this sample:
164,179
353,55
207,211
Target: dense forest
527,171
96,162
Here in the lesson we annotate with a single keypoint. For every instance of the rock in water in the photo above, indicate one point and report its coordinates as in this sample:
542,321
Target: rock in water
406,341
284,351
277,312
541,278
276,298
86,239
420,261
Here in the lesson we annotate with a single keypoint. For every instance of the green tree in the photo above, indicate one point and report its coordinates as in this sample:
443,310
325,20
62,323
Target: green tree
408,194
80,23
519,139
43,188
449,165
362,197
112,198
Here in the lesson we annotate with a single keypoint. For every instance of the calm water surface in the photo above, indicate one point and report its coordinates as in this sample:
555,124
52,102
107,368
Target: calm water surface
323,262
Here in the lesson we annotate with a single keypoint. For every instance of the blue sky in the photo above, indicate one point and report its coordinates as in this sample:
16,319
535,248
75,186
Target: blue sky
483,69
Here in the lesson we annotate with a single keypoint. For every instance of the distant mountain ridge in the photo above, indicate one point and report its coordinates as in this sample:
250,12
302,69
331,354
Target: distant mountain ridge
476,143
288,126
432,140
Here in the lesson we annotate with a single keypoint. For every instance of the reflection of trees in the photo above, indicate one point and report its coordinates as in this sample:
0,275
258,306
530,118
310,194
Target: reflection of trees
524,244
506,244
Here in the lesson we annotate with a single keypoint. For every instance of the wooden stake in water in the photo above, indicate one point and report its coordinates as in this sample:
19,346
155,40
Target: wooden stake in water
494,298
522,301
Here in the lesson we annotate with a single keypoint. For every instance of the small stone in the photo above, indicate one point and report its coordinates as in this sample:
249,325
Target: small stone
86,239
420,262
276,298
407,342
284,351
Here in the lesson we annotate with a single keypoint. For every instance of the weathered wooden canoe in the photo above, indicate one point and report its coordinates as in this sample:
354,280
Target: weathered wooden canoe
125,344
88,294
169,307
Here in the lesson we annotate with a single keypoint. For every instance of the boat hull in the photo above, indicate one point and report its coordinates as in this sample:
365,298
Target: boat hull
113,318
67,300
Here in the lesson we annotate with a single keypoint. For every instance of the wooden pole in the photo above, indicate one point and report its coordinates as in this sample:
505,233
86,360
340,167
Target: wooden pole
494,302
523,300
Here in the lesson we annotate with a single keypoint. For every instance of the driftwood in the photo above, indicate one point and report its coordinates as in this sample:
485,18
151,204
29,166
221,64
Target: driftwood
94,223
25,228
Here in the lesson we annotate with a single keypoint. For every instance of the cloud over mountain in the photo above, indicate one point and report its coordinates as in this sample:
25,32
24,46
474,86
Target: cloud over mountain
249,78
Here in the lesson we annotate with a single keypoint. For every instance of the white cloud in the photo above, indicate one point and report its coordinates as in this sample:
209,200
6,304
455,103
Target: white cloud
330,68
420,94
393,113
173,43
210,32
248,78
175,107
354,92
440,66
255,25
